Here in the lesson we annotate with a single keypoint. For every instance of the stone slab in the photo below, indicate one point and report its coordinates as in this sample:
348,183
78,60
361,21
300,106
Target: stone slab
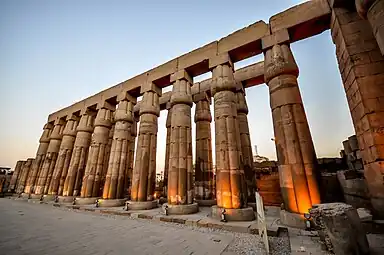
86,200
243,214
111,202
145,205
181,209
293,220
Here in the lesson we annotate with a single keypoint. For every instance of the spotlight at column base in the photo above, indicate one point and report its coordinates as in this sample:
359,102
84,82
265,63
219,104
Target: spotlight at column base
206,202
66,199
112,202
86,200
142,205
294,220
242,214
181,209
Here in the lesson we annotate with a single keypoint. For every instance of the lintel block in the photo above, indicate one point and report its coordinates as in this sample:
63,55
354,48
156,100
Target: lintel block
220,60
279,37
124,95
150,86
105,105
181,74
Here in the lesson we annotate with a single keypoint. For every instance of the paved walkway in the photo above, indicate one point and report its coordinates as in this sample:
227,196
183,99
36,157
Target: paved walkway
42,229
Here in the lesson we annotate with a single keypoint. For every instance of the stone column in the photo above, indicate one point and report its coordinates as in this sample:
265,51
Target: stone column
167,148
16,175
128,176
204,183
24,175
231,190
362,71
48,166
79,156
373,11
39,159
295,151
144,171
106,157
64,158
113,192
180,176
90,189
245,143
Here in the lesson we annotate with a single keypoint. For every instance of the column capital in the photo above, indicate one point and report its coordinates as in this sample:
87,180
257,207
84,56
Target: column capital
125,96
48,126
124,111
223,59
87,111
105,105
104,117
201,96
70,127
180,75
150,86
86,122
72,117
279,37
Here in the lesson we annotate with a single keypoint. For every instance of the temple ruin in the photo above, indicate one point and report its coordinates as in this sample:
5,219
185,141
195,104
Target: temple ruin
87,150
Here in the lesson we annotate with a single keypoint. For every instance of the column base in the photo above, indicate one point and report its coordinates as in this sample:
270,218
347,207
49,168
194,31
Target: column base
25,195
181,209
112,202
241,214
35,196
294,220
86,200
66,199
48,198
206,202
142,205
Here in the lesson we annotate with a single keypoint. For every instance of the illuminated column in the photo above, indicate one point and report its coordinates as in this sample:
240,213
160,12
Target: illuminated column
144,171
48,166
204,183
24,175
373,10
245,143
180,175
231,190
39,159
106,157
295,151
128,176
113,192
16,175
64,158
79,156
167,147
90,189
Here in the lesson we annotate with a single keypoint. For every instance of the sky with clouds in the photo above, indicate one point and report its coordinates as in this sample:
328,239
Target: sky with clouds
55,53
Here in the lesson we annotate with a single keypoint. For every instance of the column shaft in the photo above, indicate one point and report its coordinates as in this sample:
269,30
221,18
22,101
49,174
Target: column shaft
167,148
16,175
144,171
24,175
295,151
204,183
119,155
79,156
95,163
48,165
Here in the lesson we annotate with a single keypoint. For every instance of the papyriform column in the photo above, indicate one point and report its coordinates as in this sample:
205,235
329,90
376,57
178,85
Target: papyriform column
48,166
64,157
144,170
373,10
204,182
16,175
90,189
180,175
231,189
245,142
106,157
113,192
295,151
167,148
25,171
128,176
74,178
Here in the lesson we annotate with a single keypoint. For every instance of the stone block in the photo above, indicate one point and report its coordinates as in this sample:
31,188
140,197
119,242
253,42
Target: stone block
279,37
105,105
181,209
124,95
197,56
150,86
220,60
181,74
364,214
162,71
242,214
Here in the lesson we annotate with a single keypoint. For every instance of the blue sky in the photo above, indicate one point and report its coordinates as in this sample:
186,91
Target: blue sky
55,53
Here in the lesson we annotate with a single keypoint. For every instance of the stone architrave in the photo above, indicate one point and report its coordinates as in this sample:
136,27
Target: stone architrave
167,148
79,156
121,144
95,163
144,171
24,175
295,151
231,190
373,11
16,175
204,179
64,158
180,175
39,159
245,142
48,165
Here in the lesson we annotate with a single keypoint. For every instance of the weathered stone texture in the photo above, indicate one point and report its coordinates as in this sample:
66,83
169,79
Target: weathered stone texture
167,147
231,190
16,175
119,157
294,146
96,157
25,170
204,182
144,171
362,70
79,156
64,157
48,165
